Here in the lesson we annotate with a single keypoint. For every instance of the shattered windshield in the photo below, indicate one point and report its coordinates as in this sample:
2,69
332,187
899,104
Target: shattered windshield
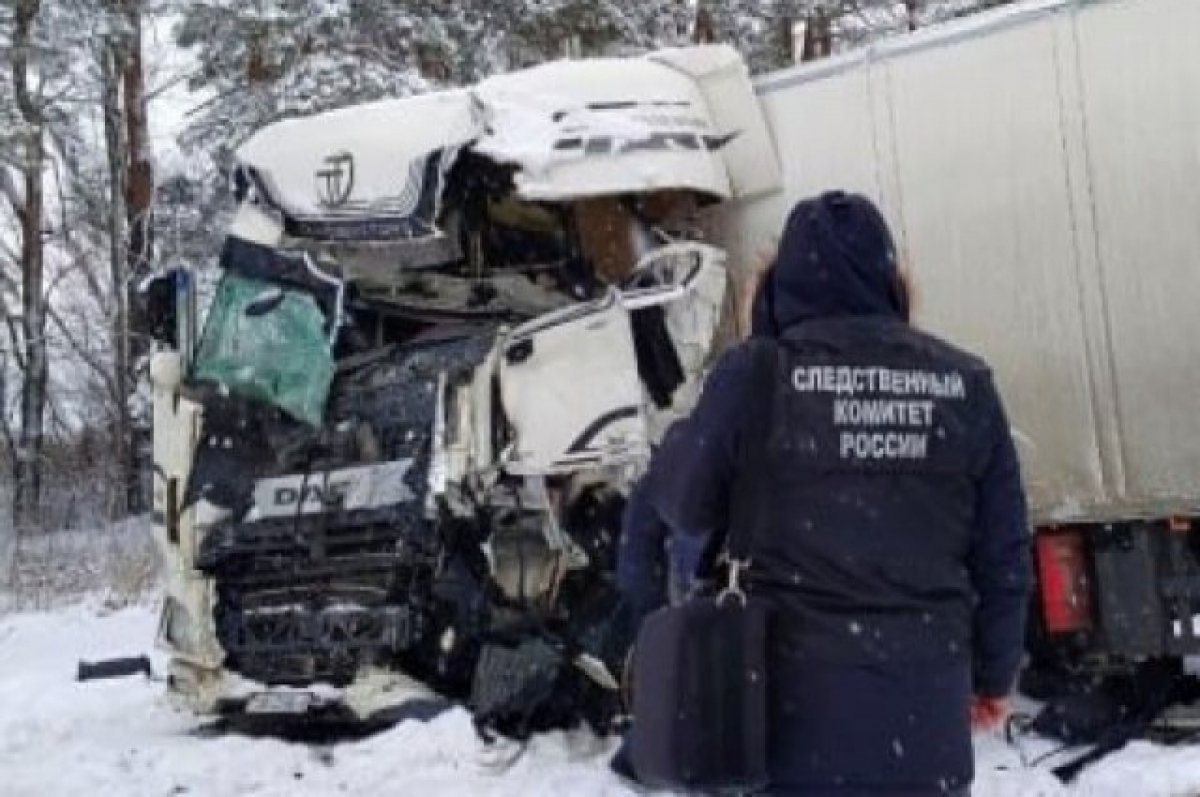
268,343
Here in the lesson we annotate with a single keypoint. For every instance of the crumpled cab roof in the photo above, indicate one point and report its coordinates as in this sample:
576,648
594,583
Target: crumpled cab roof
571,130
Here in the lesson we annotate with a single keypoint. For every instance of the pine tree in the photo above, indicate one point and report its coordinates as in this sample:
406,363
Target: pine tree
262,60
554,28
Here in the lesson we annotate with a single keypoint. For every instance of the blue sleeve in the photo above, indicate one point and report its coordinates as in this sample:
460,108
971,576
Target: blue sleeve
685,494
998,561
641,555
691,476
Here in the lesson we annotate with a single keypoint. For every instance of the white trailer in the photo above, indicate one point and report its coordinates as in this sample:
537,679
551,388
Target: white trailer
1040,165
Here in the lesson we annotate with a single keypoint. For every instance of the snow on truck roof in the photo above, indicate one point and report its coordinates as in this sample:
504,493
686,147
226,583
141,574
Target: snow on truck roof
678,119
578,128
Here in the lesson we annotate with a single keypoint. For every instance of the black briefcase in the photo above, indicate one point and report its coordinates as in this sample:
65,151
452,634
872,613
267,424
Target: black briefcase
699,669
700,696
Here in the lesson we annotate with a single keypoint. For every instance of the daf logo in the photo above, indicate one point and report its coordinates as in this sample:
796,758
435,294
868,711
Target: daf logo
330,495
335,182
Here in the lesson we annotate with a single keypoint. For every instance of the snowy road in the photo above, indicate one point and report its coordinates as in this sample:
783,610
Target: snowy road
119,737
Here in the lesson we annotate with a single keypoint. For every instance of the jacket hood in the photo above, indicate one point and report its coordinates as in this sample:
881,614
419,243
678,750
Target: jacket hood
836,258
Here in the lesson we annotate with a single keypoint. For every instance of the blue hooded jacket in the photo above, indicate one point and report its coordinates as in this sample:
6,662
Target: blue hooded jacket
845,711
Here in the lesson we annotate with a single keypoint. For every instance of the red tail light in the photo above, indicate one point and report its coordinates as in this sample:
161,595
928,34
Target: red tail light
1063,574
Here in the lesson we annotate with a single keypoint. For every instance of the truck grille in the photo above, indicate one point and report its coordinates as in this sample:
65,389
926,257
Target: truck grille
316,594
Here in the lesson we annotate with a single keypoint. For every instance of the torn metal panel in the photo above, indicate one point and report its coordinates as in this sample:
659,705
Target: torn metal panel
689,283
608,126
685,120
500,294
569,384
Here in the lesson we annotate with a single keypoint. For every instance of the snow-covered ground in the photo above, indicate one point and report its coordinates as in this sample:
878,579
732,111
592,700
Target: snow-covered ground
61,738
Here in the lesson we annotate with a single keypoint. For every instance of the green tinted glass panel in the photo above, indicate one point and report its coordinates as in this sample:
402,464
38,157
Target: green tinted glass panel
266,342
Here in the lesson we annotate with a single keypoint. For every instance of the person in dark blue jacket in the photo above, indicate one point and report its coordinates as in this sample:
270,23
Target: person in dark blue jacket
891,535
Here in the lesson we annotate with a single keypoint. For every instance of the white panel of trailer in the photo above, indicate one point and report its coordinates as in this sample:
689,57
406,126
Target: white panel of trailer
1140,81
1041,167
986,209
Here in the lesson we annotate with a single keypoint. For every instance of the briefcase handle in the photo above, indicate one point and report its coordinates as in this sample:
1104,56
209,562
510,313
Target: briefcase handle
733,588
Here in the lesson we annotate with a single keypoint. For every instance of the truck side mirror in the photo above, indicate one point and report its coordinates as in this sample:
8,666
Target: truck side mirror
154,310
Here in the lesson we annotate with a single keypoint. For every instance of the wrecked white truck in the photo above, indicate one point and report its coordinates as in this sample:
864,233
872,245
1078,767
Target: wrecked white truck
447,332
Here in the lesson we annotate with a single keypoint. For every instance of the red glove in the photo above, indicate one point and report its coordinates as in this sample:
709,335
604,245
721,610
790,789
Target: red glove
988,713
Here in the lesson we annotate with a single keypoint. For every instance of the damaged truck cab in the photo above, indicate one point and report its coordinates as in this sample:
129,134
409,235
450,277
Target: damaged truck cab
447,332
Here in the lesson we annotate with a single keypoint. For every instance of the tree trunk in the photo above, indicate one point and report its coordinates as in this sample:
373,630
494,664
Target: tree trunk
27,476
911,8
139,179
818,36
114,142
28,479
258,70
136,183
705,30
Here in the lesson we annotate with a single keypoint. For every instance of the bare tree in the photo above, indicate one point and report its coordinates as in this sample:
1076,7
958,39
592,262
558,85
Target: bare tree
28,206
130,223
82,217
